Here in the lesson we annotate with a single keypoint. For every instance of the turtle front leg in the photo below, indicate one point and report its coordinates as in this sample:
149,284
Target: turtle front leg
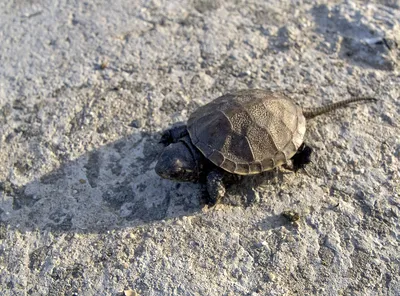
173,134
215,186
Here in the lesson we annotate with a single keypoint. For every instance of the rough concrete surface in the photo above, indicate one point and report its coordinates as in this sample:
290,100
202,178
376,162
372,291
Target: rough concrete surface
86,87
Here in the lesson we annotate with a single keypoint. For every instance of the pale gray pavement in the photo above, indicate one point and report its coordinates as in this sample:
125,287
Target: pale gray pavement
87,86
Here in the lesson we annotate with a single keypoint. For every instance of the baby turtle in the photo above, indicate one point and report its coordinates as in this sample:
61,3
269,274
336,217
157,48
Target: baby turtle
242,133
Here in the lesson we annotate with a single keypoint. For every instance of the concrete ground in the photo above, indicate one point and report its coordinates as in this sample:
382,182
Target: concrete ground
86,87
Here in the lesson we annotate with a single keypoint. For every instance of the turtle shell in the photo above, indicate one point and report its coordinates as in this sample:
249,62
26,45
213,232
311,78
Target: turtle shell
249,131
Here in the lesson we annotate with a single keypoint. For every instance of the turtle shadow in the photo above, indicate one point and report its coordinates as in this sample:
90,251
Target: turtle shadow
242,191
110,187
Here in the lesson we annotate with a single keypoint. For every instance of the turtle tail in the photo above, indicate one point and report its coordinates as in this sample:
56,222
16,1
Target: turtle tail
312,112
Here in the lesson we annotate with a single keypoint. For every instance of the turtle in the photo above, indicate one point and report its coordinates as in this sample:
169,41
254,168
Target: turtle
242,133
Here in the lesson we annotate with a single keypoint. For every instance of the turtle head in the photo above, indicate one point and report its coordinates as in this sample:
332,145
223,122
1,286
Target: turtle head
178,162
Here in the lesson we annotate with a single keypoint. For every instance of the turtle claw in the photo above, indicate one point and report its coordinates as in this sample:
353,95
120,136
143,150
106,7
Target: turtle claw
166,138
173,134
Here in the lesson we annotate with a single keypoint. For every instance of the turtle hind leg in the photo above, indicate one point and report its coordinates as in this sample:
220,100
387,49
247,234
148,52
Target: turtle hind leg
173,134
215,186
302,157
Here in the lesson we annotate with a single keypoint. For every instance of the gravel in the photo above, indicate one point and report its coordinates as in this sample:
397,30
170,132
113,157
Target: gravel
86,88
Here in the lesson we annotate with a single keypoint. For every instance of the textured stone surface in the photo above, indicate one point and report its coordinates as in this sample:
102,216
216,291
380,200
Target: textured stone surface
87,86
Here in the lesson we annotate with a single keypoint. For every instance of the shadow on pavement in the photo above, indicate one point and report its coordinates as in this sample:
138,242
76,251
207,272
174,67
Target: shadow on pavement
111,187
